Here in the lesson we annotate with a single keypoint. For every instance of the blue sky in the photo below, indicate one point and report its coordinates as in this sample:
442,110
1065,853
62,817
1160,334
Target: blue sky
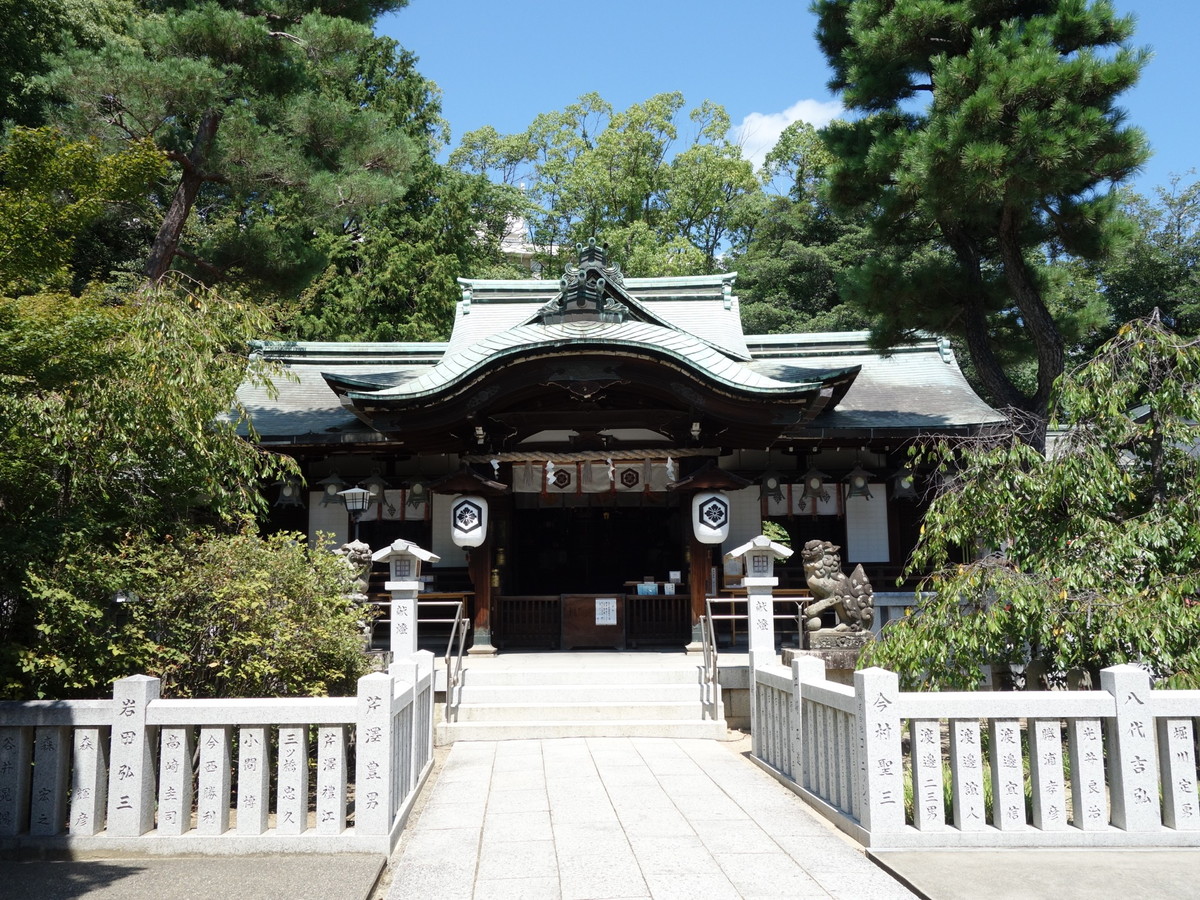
502,63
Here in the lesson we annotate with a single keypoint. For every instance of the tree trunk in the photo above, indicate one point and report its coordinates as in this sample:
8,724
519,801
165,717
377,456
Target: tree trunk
1047,339
166,242
975,326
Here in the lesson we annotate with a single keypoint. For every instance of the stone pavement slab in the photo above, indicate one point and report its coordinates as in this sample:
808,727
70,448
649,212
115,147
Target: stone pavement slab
342,876
623,818
1089,874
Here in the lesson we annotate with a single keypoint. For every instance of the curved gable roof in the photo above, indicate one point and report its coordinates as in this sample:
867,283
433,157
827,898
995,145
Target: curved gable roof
702,306
637,338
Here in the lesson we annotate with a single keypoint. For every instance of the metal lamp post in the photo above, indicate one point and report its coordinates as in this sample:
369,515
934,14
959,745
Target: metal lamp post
357,500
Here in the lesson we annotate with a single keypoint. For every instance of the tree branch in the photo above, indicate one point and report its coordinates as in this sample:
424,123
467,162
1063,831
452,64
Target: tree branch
286,36
217,272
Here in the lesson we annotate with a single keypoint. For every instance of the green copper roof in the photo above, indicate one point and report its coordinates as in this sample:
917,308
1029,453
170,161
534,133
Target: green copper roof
625,337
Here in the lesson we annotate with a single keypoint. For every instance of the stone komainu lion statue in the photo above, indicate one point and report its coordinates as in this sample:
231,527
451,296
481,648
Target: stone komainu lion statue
358,558
850,595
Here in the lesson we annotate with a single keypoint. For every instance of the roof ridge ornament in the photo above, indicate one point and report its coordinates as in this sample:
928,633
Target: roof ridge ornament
584,289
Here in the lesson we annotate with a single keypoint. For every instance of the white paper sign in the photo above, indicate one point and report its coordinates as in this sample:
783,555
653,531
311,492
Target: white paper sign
606,610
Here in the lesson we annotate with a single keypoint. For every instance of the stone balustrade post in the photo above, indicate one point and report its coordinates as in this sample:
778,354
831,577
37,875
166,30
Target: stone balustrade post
1132,756
1177,762
877,692
804,669
51,757
1008,774
16,770
1046,775
966,778
331,779
254,779
131,773
89,781
175,783
927,779
291,807
214,779
374,780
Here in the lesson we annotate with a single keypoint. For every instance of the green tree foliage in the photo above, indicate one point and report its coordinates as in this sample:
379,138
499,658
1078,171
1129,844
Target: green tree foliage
51,191
590,170
115,416
276,117
30,32
211,614
1160,268
115,422
986,135
798,248
33,31
301,155
1094,547
394,276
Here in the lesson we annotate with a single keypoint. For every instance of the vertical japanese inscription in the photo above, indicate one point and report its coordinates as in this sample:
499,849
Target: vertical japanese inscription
16,759
1131,756
175,781
373,775
1089,803
254,780
925,740
89,781
214,780
48,811
1177,762
292,811
131,803
1008,775
331,779
966,772
875,692
1046,775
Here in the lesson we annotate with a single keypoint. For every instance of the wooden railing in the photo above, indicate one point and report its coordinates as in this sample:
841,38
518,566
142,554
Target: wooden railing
138,773
528,622
658,619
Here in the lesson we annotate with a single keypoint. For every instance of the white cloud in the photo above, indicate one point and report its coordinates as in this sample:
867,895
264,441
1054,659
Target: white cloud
759,132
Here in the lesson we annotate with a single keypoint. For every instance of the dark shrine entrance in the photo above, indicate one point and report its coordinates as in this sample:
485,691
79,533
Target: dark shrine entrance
590,549
566,553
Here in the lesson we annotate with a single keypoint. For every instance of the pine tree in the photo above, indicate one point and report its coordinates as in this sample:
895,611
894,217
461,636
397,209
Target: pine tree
986,140
272,113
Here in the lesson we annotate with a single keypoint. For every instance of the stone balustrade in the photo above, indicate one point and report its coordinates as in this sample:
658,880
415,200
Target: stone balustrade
144,774
1115,767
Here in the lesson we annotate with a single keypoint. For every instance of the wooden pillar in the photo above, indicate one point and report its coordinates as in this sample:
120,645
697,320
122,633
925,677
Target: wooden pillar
479,569
699,569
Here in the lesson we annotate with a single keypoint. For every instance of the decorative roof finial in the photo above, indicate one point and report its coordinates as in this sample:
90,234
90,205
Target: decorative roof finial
585,290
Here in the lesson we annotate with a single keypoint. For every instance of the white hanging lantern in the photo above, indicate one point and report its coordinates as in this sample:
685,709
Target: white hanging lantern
468,521
710,517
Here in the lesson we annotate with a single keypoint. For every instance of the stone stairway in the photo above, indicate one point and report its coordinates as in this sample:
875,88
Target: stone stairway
537,701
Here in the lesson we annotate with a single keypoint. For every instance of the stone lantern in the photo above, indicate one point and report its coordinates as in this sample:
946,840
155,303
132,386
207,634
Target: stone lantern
404,559
758,557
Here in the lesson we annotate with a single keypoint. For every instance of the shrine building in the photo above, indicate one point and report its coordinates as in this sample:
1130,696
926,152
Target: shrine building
603,437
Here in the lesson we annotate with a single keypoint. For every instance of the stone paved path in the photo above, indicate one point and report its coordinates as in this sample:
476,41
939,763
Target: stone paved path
622,818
